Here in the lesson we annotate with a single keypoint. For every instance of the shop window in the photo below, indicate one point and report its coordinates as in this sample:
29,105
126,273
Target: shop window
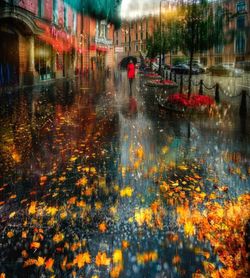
240,44
43,60
241,22
55,11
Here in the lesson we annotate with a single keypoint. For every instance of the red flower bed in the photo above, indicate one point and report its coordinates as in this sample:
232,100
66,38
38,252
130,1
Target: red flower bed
165,82
194,101
152,75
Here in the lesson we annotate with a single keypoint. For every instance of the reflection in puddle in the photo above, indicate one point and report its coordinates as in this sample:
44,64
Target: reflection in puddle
95,183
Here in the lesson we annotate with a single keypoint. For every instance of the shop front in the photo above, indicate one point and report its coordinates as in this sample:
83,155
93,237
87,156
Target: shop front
56,52
44,60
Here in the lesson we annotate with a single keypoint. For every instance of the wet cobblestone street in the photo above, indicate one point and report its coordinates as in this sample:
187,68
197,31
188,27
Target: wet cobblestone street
97,183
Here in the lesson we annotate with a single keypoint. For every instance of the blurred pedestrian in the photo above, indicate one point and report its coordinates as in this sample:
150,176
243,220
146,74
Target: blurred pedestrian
131,74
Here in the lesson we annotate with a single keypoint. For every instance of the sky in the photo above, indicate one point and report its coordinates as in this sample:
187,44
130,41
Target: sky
133,8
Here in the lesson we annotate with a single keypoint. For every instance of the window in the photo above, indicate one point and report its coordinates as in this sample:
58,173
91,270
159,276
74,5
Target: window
240,44
117,42
74,21
241,6
102,29
136,36
241,22
55,11
218,60
65,16
136,47
141,35
218,48
204,61
40,8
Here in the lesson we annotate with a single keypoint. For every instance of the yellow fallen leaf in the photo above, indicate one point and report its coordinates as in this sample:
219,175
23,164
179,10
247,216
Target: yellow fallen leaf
126,192
40,261
52,210
117,256
32,208
12,214
183,167
73,159
189,228
58,237
82,182
165,150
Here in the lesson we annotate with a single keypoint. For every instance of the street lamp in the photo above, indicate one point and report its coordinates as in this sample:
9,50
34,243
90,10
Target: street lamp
160,38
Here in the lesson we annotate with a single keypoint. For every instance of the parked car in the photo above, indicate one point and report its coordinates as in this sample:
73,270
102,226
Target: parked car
199,67
225,70
183,69
244,65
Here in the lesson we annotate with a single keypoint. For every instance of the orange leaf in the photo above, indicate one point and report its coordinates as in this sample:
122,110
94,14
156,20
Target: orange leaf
58,237
82,259
125,244
176,259
102,259
49,264
10,234
29,262
35,245
102,227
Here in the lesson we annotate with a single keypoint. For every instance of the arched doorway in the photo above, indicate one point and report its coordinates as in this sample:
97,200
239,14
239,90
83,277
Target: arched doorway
9,57
17,30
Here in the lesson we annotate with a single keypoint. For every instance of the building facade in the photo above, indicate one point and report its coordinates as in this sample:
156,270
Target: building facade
131,38
47,39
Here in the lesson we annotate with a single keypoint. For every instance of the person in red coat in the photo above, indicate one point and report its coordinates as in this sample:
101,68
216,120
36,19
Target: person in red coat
131,74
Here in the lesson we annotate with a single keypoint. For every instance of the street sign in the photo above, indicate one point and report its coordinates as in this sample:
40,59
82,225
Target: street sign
119,49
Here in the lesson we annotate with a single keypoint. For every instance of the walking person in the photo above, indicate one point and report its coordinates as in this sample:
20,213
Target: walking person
131,75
